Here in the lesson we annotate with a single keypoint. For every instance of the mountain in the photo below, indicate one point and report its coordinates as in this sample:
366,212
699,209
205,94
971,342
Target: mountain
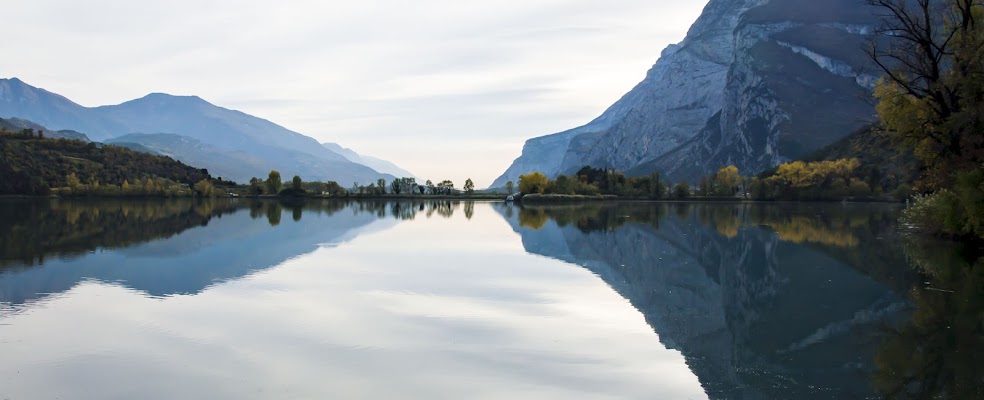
377,164
17,124
227,131
218,161
754,83
18,99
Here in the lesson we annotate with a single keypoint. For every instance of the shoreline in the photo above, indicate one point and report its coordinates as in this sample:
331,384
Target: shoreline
529,199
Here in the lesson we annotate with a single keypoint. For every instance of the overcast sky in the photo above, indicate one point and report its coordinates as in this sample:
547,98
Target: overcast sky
445,89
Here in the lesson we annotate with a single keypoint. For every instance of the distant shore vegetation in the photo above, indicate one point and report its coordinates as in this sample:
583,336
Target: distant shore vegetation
33,164
833,180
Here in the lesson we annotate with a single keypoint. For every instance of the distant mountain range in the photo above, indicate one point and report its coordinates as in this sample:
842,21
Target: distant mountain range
755,83
377,164
228,143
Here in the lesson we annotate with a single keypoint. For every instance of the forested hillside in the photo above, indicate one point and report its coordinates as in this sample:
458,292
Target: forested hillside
31,164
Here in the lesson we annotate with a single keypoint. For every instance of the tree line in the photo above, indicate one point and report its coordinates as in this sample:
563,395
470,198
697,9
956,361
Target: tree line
798,180
406,186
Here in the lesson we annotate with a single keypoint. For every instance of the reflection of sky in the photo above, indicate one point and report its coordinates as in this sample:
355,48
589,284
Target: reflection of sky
434,308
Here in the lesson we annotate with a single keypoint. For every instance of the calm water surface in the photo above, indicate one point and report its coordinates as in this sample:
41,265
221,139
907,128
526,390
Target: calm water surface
446,300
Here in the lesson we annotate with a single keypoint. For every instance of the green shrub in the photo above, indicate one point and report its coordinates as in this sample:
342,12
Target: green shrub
952,212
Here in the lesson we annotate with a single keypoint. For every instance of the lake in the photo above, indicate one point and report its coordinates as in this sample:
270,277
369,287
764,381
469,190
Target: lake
239,299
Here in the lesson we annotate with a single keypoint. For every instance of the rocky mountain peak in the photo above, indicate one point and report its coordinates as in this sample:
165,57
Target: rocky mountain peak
755,82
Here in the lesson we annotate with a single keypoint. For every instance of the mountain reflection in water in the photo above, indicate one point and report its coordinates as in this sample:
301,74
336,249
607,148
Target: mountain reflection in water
762,301
782,301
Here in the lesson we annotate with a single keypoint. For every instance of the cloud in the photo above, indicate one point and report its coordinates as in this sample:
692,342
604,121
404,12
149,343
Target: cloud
383,76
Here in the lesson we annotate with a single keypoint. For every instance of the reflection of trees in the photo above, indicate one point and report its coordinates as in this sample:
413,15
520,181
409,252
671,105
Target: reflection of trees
533,218
33,229
854,234
588,217
403,211
273,213
442,208
790,225
801,229
726,220
273,210
938,353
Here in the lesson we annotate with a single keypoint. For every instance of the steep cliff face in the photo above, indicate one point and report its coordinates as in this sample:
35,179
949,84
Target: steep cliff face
799,81
754,83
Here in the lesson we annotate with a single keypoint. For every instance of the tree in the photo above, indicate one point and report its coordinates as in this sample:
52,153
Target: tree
563,185
534,182
510,186
657,188
430,186
255,186
726,181
447,186
273,183
403,185
932,56
469,186
204,188
681,190
73,182
381,183
296,183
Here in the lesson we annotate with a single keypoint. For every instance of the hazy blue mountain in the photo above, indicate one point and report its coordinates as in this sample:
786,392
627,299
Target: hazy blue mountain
754,83
377,164
271,146
20,100
191,151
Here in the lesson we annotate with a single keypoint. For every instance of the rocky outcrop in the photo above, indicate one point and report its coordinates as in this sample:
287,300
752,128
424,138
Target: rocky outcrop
754,83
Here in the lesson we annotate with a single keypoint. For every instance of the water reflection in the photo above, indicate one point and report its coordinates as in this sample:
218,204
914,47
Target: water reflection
938,352
764,301
364,300
33,230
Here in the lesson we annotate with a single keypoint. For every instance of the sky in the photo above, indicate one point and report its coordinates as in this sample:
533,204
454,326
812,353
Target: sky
444,89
